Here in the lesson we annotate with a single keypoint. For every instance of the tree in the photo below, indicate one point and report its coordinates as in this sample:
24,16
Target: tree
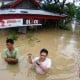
52,8
57,6
62,8
78,13
63,5
70,11
56,1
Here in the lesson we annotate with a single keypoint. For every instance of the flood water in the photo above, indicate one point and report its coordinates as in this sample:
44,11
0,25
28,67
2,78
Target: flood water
64,51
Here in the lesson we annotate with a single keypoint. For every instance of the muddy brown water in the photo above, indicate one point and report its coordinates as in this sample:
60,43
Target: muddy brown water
64,50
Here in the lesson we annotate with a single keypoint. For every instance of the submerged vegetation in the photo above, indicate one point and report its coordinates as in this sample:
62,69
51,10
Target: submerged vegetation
30,36
12,36
64,26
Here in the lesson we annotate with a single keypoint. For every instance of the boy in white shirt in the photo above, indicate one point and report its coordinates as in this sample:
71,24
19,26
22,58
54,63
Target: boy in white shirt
43,64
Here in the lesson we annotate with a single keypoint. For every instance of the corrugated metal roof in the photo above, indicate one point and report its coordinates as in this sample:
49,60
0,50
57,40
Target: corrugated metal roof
28,11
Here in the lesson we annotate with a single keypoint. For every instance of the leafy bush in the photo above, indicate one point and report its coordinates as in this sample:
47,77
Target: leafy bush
63,26
31,37
12,36
31,27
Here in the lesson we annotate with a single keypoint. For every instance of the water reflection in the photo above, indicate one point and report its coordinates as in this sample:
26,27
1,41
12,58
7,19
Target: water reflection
67,46
73,25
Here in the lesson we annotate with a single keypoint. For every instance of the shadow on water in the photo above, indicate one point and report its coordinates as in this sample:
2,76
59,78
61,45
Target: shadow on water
73,25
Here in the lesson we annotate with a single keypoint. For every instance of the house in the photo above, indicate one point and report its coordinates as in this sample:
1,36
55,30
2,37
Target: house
22,13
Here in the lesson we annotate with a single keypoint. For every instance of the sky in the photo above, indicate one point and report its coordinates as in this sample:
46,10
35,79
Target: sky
76,3
68,0
62,0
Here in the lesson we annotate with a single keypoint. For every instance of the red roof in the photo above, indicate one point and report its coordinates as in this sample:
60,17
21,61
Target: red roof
15,3
35,2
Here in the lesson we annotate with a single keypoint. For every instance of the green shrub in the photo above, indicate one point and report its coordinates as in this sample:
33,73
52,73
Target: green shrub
31,37
63,26
31,27
12,36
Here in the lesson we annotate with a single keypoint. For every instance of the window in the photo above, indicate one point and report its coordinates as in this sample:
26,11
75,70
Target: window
35,21
28,21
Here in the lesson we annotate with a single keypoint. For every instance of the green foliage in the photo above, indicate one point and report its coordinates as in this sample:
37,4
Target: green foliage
63,26
63,8
12,36
31,27
52,8
70,10
78,13
31,38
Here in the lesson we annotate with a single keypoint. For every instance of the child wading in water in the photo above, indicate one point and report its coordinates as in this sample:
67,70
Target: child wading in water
11,54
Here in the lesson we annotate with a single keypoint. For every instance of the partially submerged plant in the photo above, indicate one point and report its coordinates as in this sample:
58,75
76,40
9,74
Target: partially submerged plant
12,36
31,38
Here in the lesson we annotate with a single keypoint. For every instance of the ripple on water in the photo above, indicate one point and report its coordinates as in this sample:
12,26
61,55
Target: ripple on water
62,48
